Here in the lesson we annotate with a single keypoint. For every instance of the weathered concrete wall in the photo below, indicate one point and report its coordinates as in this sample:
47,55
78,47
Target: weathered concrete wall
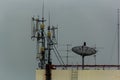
81,75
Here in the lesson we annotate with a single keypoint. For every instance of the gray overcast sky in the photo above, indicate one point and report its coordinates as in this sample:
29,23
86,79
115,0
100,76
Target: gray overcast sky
93,21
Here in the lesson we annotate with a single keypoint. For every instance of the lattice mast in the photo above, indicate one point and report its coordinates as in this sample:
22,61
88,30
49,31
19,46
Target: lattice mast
44,43
38,33
49,47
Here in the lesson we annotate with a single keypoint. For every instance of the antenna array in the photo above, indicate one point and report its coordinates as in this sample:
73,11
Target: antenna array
45,43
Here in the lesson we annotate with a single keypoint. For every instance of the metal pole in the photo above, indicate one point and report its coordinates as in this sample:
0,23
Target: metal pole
49,64
67,55
95,61
82,62
118,39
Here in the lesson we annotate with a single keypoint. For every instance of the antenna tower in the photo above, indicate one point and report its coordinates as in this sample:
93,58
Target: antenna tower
44,43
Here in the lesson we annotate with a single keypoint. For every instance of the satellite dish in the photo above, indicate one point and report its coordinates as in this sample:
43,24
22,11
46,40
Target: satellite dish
84,51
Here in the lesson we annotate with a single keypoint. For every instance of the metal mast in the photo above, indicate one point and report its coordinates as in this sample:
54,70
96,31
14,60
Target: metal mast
118,38
44,43
95,60
42,26
67,53
83,55
49,43
38,34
